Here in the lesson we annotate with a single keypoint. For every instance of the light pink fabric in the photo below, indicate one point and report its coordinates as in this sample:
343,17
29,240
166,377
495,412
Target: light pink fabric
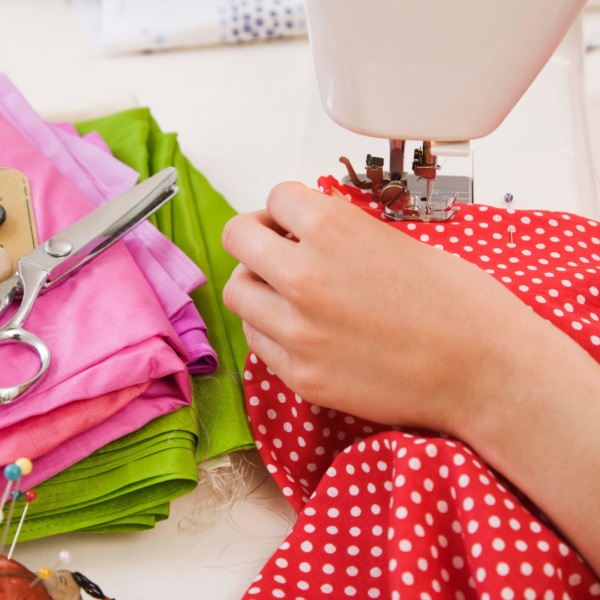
105,328
88,163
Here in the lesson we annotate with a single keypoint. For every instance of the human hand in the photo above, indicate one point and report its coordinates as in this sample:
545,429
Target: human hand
359,317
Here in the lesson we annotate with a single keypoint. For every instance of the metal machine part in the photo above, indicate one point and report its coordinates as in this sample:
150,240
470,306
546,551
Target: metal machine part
397,191
425,167
449,191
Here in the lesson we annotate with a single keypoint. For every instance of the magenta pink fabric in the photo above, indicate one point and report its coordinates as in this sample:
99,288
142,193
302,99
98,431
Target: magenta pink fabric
105,328
88,163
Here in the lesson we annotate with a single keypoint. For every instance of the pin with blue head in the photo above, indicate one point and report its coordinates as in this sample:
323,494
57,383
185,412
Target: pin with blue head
13,473
511,229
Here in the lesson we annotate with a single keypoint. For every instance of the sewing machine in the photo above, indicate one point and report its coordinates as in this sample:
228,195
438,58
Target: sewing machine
443,72
265,97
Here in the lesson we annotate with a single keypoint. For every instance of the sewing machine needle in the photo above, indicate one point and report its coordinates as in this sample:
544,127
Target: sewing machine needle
429,192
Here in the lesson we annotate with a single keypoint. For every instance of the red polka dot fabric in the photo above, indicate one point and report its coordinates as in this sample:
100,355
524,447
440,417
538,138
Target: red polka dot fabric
394,513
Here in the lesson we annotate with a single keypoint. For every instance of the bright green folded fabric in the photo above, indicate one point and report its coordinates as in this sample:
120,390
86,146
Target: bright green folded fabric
194,220
127,485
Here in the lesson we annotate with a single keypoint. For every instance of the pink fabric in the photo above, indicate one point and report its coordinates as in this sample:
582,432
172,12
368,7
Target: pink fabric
178,307
105,328
93,137
88,163
36,436
161,397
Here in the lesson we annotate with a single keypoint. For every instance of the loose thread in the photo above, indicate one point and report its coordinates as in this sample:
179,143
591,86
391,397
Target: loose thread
229,486
226,485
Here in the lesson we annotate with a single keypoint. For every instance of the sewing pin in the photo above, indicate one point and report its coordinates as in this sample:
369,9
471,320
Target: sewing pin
64,556
22,466
12,472
508,198
429,196
43,573
511,230
30,497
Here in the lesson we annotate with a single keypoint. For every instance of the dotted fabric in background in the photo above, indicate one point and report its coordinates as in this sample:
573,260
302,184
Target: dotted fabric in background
249,20
408,514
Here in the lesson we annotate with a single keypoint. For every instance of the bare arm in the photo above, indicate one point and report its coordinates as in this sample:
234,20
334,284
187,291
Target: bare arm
338,316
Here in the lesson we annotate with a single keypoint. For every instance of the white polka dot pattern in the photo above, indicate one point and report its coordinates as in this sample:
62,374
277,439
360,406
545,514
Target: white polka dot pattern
394,514
433,547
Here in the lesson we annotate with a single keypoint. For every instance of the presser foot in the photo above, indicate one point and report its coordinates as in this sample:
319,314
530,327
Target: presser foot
423,196
422,213
449,193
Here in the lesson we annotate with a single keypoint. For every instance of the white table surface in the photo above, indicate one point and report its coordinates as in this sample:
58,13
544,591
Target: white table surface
247,117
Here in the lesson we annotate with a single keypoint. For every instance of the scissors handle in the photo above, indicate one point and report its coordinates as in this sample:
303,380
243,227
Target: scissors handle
32,278
20,335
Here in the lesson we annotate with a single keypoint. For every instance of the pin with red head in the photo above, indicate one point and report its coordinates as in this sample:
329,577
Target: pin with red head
30,496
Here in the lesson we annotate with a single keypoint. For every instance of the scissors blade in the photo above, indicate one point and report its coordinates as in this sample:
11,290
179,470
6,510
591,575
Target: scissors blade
85,239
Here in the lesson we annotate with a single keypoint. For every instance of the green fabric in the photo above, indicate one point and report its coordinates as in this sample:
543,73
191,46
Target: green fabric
194,220
127,485
199,211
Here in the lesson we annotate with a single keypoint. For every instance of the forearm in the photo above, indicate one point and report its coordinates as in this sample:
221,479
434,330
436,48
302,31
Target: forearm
543,434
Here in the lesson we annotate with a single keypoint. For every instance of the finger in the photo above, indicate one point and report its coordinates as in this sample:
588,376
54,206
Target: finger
256,302
275,356
263,217
299,209
253,240
335,193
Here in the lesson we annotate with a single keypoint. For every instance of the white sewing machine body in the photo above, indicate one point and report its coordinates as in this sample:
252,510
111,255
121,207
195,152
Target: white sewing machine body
453,71
430,70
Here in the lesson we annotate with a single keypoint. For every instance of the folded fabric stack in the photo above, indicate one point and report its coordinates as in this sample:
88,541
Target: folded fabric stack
116,428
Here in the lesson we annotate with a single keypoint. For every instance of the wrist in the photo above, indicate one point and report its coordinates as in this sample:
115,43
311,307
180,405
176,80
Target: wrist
540,430
500,377
531,370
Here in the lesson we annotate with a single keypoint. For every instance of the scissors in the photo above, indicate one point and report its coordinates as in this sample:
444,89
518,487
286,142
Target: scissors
64,254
